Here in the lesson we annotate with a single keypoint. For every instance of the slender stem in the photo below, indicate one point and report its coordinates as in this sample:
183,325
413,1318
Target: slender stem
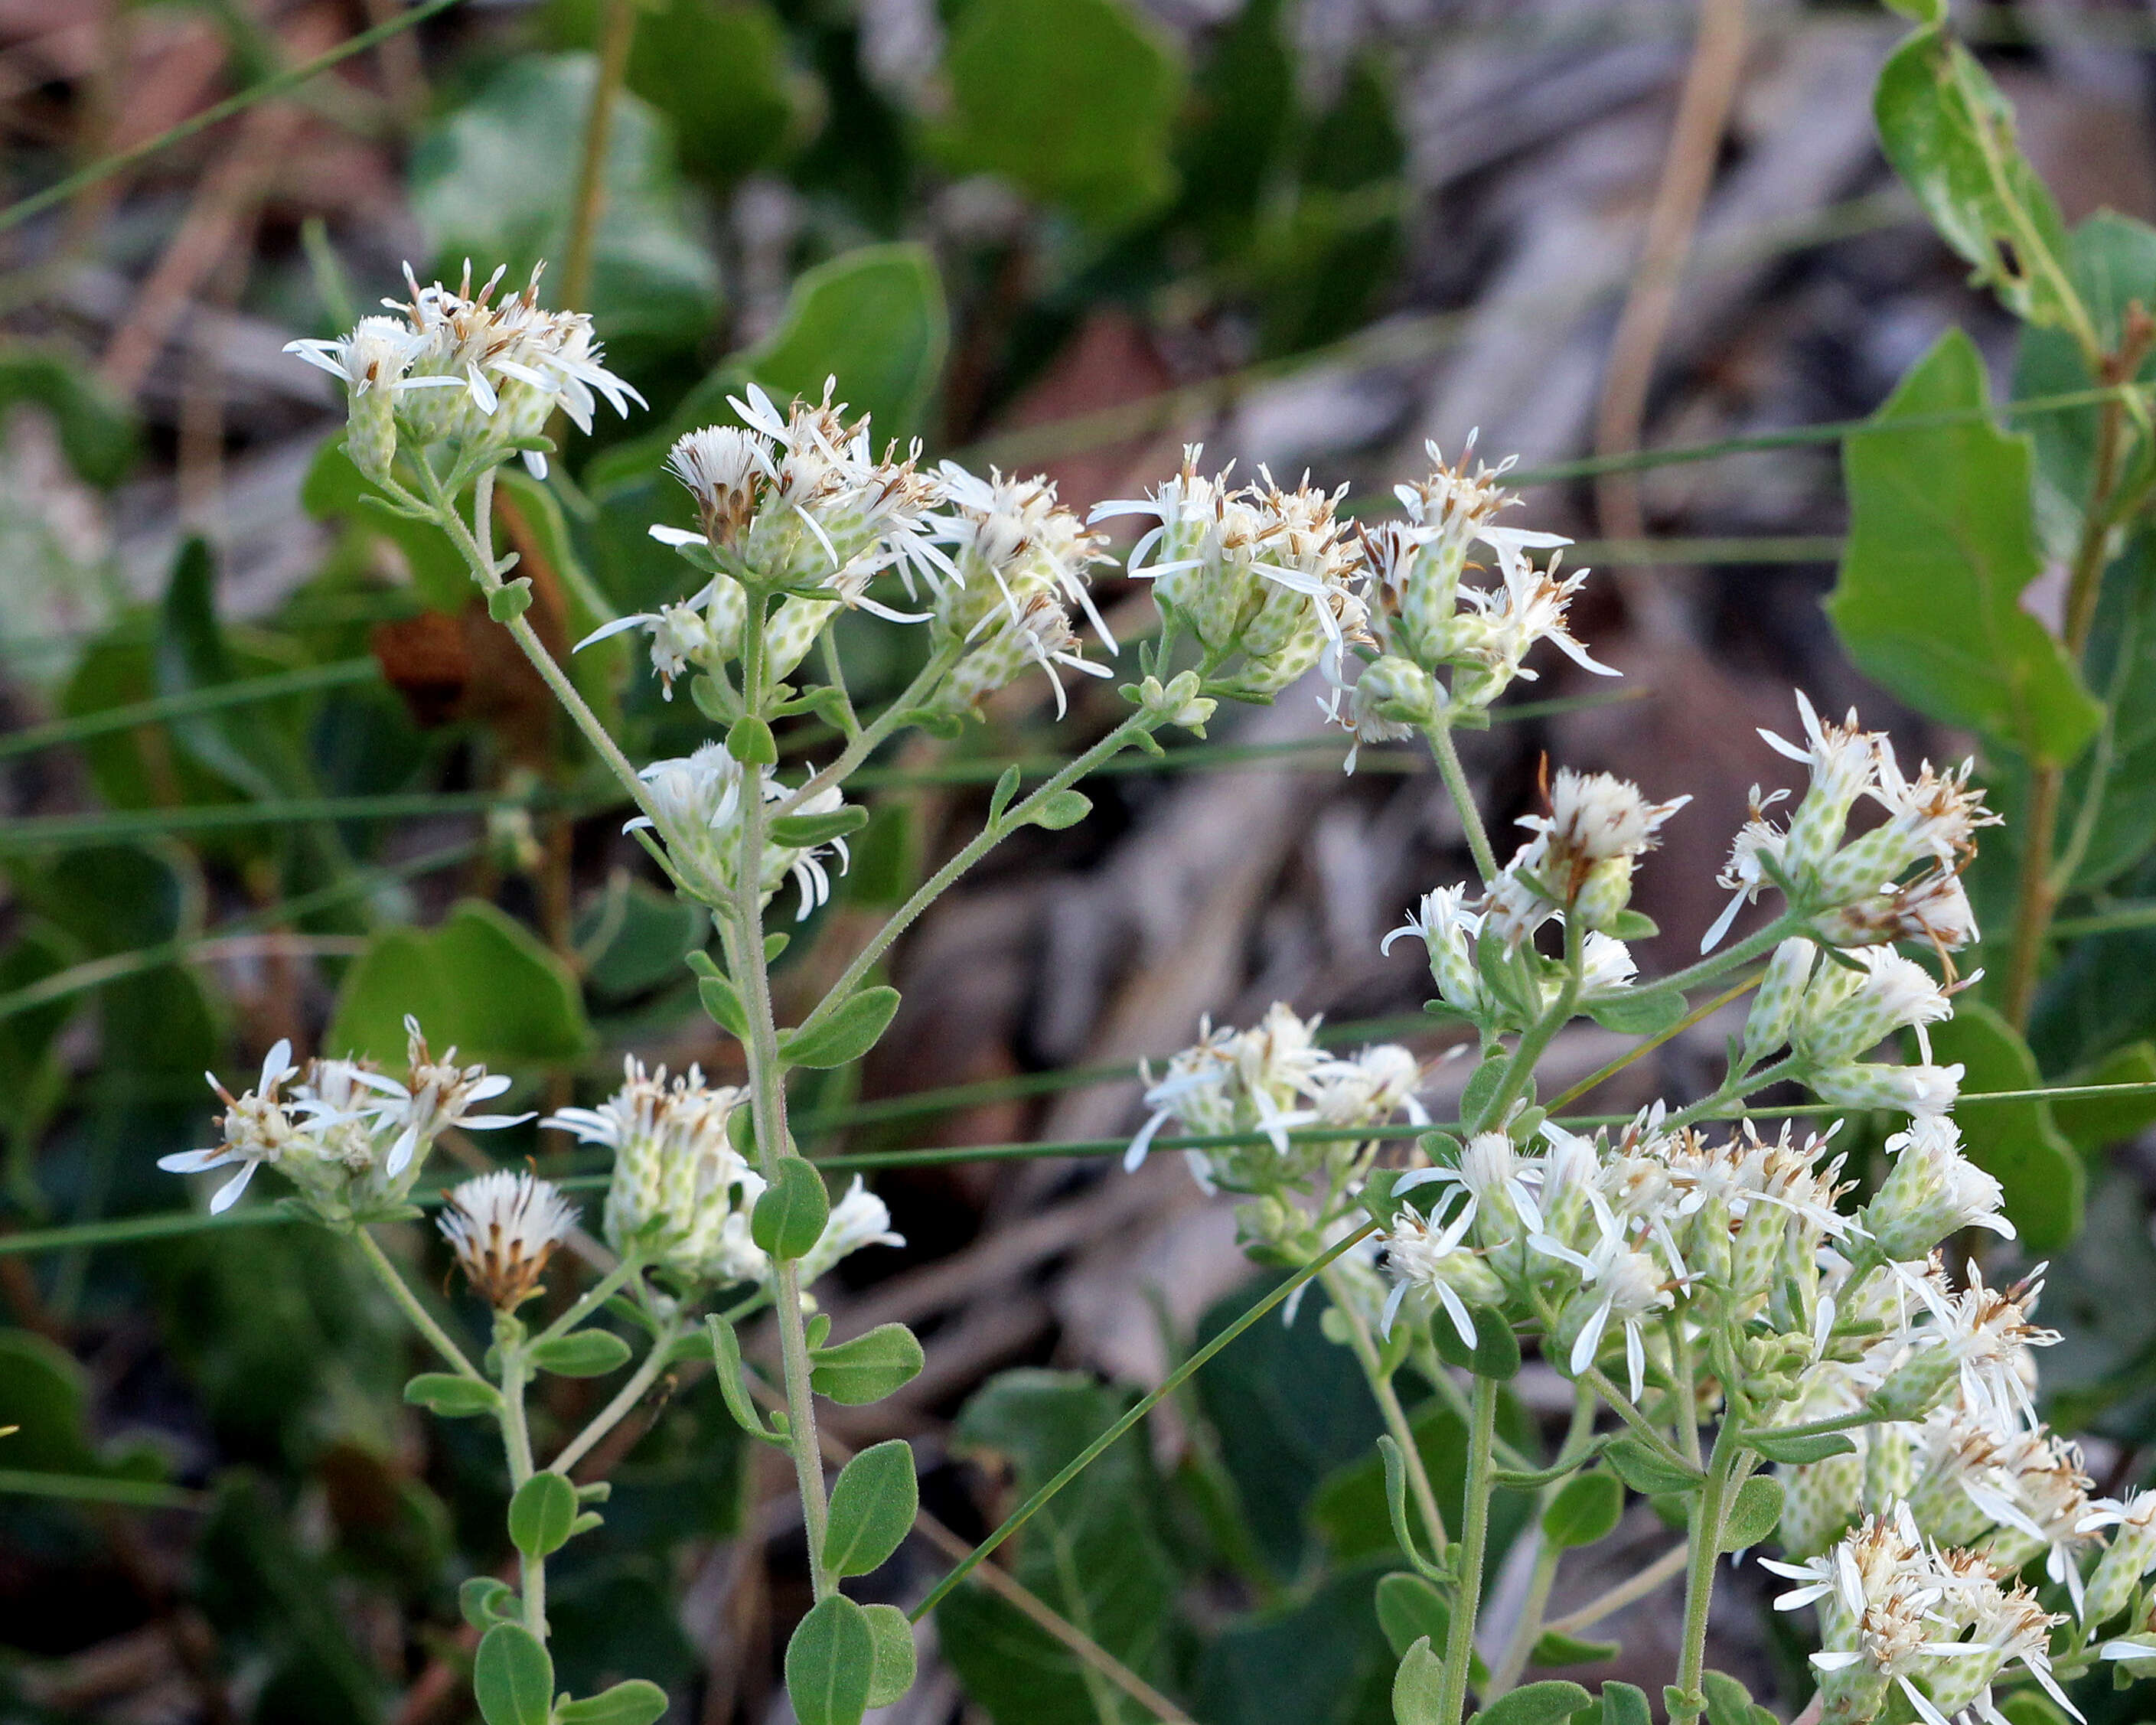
1622,1405
595,1296
1389,1404
616,31
1463,798
422,1320
1685,1402
516,1447
1706,1551
626,1399
867,740
1734,1088
1640,1050
983,842
1714,963
1520,1646
1474,1538
1665,1568
2034,900
1520,1071
1439,1375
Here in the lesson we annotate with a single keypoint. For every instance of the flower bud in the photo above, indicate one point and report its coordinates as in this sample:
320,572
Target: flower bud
1933,1190
2129,1557
503,1228
1779,998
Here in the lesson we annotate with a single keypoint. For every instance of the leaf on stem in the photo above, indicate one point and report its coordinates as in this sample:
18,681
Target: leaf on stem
1543,1703
543,1514
486,1601
867,1368
512,1677
1587,1509
1418,1686
831,1664
1556,1648
1065,808
789,1218
1647,1471
850,1032
584,1353
894,1656
726,1350
801,832
633,1702
872,1509
451,1395
1796,1451
1754,1515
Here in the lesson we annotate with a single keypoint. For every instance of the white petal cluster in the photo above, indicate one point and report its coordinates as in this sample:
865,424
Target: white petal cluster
681,1190
1580,861
503,1228
1829,1009
696,804
1271,1078
458,367
1901,880
350,1136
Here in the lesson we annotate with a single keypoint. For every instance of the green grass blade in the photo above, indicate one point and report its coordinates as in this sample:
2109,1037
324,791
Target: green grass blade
90,1488
306,680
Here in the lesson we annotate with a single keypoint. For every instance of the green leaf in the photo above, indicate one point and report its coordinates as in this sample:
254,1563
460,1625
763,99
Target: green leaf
542,1514
867,1368
999,799
1625,1704
451,1395
1637,1012
2042,1179
1543,1703
789,1217
872,1509
2031,1707
1417,1687
1496,1350
513,1677
726,1350
2093,1122
894,1655
830,1663
485,182
634,938
722,1003
584,1353
848,1033
1072,101
1411,1609
875,319
802,831
1949,134
1754,1515
1556,1648
1630,925
749,740
510,600
1796,1451
477,981
633,1702
1729,1702
1587,1508
1648,1471
485,1602
1482,1086
1065,808
96,430
1942,543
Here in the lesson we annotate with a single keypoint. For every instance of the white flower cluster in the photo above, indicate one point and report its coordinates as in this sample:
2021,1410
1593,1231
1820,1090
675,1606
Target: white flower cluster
1861,891
681,1191
696,804
351,1137
1272,1079
800,503
457,369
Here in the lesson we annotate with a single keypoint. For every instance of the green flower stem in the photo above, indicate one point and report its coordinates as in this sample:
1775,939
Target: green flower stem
1734,1088
595,1296
767,1105
1665,1568
516,1448
1440,1377
423,1320
1684,1402
1529,1629
1449,768
625,1400
1622,1405
1138,724
866,741
1389,1404
1817,1427
1474,1538
1752,946
1527,1053
1706,1551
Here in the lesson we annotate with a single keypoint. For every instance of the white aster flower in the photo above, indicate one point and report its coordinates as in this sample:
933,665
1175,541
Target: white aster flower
503,1227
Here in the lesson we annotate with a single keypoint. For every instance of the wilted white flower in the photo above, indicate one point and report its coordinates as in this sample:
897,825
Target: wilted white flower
858,1218
503,1227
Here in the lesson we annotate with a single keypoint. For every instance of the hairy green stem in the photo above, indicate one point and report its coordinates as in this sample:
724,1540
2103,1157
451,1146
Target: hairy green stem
867,740
1474,1538
1706,1551
592,1298
1623,1406
516,1448
1520,1646
1389,1404
1454,776
423,1320
1527,1053
768,1107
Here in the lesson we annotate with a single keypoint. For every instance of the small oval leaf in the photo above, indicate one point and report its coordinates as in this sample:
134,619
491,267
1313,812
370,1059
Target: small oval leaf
584,1353
542,1514
1416,1685
872,1508
1544,1703
831,1664
512,1677
800,832
1556,1648
1065,808
788,1219
634,1702
1755,1514
895,1657
485,1602
1587,1509
850,1032
1647,1471
867,1368
451,1395
1815,1446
